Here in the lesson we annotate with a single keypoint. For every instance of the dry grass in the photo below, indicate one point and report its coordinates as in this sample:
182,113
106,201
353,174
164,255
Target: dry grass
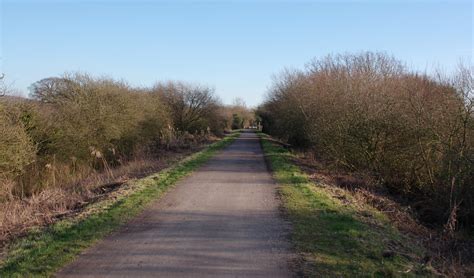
450,254
20,215
337,235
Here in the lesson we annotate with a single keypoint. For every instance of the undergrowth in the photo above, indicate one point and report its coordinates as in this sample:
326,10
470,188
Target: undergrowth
335,237
44,251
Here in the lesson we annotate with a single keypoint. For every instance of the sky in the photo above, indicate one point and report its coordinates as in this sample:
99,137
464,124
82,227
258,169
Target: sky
233,46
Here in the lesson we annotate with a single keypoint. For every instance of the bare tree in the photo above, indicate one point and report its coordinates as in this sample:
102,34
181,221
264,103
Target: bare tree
52,89
189,104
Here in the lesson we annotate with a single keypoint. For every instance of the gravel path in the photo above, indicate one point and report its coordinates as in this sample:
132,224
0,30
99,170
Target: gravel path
221,221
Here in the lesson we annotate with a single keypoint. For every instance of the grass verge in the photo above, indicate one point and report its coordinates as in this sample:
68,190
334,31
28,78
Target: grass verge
335,237
43,252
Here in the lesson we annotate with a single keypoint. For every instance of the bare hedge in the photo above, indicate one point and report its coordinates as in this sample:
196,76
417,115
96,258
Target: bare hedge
368,113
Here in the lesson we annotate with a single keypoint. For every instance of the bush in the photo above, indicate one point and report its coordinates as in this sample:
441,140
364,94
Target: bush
16,148
95,117
368,113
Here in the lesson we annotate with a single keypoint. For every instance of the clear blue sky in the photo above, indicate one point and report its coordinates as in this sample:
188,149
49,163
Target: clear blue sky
234,46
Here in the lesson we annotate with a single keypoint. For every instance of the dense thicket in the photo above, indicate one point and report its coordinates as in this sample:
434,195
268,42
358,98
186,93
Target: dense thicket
368,113
77,124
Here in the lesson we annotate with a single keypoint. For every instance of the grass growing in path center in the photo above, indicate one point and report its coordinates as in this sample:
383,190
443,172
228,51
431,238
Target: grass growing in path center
334,237
43,252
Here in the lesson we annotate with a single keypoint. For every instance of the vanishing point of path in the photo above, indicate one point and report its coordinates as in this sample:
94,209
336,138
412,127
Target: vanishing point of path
221,221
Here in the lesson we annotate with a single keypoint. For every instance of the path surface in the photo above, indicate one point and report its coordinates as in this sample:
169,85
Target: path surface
221,221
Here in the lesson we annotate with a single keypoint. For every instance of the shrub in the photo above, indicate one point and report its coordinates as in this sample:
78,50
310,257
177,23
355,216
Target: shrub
16,148
99,116
368,113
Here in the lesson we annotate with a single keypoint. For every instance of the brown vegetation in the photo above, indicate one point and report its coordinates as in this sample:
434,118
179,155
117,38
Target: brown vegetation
452,257
412,133
238,115
78,134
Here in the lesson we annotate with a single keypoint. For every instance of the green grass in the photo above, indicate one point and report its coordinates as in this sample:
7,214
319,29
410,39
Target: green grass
43,252
336,238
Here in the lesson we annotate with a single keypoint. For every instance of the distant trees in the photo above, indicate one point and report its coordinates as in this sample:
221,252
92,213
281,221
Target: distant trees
192,107
237,115
53,89
368,113
195,108
237,122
